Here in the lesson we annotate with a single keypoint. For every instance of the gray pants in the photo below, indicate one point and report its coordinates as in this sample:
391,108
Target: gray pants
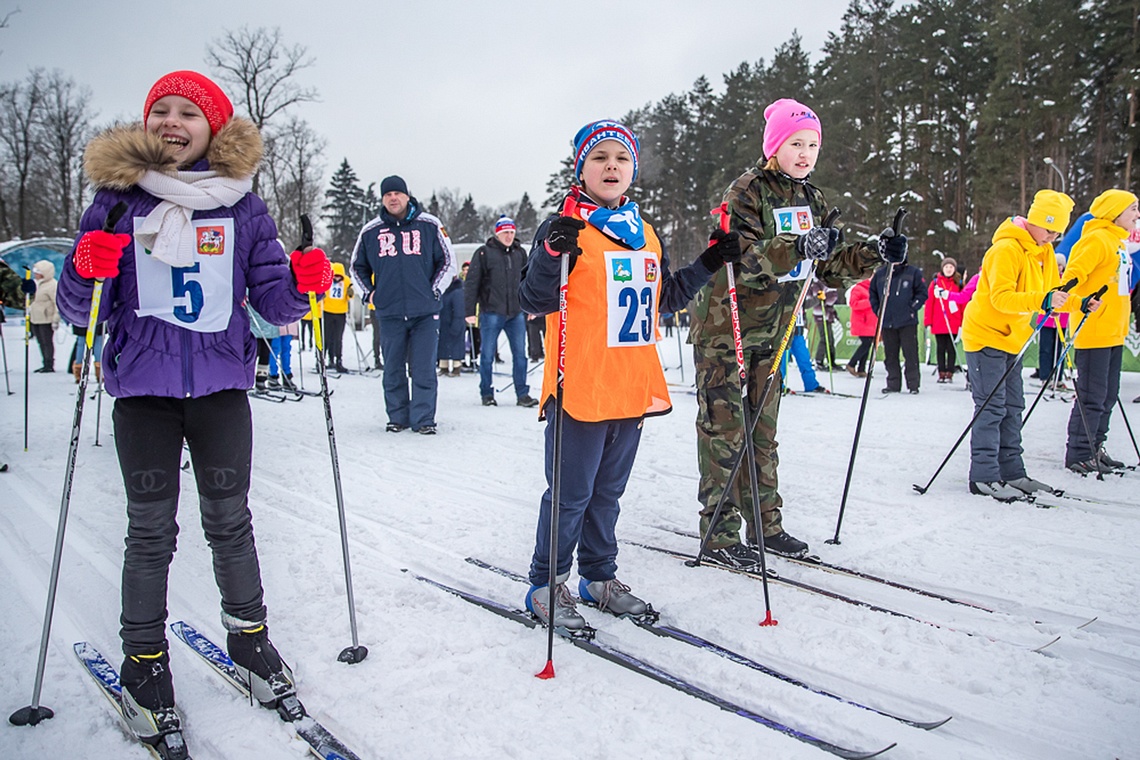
995,440
1098,385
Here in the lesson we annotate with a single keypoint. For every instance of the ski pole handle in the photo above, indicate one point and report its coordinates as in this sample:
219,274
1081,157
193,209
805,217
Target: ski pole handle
896,225
305,244
113,217
832,217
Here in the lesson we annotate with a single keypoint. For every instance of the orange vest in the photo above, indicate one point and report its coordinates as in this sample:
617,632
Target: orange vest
613,371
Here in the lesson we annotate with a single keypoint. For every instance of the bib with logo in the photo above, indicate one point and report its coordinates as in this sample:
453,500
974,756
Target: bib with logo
198,297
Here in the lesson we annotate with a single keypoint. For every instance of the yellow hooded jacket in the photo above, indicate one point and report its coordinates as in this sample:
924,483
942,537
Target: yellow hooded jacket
336,299
1100,258
1016,275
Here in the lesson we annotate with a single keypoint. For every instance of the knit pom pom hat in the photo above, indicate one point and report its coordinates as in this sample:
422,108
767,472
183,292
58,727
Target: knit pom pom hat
504,224
199,90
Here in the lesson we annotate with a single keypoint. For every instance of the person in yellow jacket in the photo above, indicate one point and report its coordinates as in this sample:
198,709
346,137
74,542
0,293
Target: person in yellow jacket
1018,280
612,380
336,311
1100,258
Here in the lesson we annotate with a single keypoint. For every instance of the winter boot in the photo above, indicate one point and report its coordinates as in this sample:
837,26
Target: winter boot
1090,467
270,679
260,377
997,489
443,371
1029,485
526,400
565,612
784,544
147,699
612,596
76,368
274,382
737,557
287,382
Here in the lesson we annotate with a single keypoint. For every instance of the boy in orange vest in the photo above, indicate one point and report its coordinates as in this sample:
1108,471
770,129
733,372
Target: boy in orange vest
619,281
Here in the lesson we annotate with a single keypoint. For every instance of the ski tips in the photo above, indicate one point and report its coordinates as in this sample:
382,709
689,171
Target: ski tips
546,673
769,621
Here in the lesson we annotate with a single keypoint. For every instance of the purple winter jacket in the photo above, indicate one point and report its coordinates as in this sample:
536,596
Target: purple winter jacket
147,356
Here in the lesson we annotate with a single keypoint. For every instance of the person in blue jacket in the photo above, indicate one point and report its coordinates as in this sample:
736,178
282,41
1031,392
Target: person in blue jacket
899,320
401,263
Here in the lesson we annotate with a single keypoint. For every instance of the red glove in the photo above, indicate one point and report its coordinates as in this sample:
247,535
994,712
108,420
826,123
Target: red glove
312,271
98,253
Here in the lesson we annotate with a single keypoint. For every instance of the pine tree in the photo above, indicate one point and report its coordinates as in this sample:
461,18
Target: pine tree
345,212
466,227
526,218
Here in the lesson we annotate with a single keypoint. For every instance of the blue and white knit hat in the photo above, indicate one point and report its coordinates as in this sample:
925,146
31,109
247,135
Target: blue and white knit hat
599,131
504,223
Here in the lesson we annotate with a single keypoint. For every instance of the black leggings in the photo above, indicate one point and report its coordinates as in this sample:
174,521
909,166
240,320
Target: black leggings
947,352
149,431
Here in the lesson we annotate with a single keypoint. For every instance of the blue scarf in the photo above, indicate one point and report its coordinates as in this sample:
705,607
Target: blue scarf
622,223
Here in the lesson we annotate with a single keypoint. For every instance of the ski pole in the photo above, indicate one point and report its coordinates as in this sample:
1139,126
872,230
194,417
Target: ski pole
680,352
27,355
825,336
355,653
35,712
749,444
889,232
569,207
1128,426
769,383
4,348
1015,363
1055,369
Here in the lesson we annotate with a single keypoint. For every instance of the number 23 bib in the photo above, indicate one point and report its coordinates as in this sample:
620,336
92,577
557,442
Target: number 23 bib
632,281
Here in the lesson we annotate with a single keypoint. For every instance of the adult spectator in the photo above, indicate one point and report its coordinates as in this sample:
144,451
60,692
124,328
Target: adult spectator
43,314
492,285
400,264
899,316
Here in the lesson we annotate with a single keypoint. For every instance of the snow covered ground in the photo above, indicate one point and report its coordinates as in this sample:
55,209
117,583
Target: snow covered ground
447,680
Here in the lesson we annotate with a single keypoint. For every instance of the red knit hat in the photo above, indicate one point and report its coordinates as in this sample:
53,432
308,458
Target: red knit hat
199,90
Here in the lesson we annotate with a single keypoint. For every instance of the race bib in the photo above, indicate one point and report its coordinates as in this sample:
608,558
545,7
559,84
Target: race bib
1124,273
336,291
198,297
632,280
795,220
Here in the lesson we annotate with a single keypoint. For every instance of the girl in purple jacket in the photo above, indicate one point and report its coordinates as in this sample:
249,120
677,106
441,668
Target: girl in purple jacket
179,359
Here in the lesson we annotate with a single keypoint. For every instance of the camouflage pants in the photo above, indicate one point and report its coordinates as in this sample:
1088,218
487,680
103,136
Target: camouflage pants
720,436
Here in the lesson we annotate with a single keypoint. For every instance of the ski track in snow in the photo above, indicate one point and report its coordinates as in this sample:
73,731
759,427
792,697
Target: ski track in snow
446,680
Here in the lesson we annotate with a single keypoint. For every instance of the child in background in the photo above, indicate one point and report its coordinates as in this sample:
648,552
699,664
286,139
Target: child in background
613,377
1050,339
864,324
179,359
943,317
335,315
43,314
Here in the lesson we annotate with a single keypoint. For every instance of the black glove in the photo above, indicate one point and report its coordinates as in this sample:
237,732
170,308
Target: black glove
724,248
1091,297
562,236
28,286
817,243
893,248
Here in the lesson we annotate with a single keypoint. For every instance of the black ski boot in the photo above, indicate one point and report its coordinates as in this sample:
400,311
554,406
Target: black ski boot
785,545
270,679
147,699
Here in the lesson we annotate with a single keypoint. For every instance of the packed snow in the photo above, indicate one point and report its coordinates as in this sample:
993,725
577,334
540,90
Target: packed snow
445,679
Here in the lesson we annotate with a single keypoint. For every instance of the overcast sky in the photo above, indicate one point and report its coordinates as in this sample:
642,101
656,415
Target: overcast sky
478,96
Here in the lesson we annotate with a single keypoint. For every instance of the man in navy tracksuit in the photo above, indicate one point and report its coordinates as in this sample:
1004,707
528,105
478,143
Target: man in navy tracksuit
400,264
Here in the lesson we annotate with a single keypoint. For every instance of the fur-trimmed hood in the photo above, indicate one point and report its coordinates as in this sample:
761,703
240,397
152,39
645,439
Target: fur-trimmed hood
118,158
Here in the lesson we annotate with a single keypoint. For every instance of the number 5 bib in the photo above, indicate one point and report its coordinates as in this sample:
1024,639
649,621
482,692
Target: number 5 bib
199,297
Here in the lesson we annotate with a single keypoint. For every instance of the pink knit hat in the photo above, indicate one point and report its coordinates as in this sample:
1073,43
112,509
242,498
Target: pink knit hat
784,118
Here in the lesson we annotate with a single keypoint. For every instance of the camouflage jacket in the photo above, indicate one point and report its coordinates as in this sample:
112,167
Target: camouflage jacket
766,305
10,293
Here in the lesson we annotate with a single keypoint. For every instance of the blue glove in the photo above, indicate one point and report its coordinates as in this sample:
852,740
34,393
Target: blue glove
893,249
28,286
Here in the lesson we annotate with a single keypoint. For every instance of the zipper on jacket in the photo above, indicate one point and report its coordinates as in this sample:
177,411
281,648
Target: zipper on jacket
187,372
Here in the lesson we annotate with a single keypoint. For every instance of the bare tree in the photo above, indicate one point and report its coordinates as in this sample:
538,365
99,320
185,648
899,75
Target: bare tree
293,171
21,111
64,130
261,68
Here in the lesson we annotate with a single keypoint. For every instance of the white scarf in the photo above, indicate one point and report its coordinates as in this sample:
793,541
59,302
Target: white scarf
167,231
